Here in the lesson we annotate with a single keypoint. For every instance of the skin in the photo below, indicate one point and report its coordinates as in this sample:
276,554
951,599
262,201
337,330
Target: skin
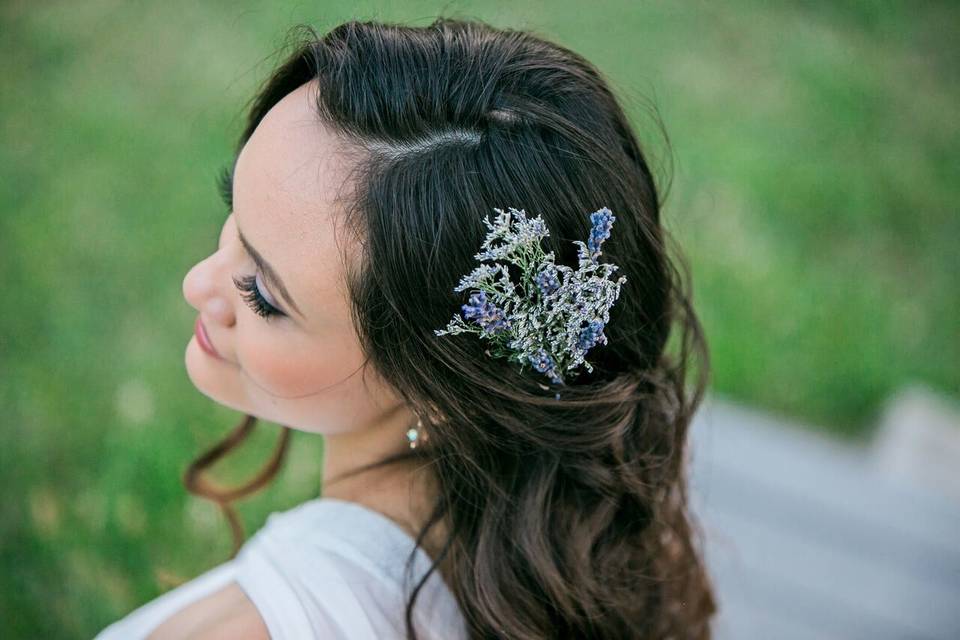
303,371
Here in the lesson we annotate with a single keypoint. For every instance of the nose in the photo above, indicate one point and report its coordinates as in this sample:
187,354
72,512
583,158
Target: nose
204,289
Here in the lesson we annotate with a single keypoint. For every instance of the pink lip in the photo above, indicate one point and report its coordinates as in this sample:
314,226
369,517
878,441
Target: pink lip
204,340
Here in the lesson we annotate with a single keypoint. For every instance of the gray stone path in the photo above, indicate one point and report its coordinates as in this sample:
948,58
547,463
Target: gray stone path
808,539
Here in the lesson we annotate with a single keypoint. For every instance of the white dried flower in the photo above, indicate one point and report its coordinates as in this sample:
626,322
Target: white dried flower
555,315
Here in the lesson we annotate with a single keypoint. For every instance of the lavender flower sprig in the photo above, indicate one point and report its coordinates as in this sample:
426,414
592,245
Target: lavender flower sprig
556,314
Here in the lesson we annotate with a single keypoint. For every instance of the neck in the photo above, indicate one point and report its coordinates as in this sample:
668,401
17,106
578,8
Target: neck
399,490
403,491
349,451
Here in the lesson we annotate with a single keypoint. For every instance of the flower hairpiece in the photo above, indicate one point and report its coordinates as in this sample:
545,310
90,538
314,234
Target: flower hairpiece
555,314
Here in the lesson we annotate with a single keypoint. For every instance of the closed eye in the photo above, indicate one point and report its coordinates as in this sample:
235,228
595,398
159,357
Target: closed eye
247,285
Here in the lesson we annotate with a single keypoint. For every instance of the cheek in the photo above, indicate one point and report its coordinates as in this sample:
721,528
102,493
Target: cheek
297,368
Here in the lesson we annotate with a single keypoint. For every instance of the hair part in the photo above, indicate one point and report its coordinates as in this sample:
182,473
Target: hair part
569,517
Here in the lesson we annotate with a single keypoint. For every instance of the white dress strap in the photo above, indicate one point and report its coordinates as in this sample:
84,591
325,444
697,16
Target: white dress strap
326,569
343,566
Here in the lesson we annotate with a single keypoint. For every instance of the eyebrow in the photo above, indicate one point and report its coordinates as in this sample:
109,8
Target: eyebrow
226,192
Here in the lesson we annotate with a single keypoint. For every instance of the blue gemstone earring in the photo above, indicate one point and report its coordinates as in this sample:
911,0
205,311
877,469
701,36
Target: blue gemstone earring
413,434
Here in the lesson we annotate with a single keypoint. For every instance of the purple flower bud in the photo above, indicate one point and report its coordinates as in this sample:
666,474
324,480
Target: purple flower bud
486,314
591,335
602,222
547,280
543,363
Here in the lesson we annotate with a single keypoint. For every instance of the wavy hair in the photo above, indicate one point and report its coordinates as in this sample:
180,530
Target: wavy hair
566,518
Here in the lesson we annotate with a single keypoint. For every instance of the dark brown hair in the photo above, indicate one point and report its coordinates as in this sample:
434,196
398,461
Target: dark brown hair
567,518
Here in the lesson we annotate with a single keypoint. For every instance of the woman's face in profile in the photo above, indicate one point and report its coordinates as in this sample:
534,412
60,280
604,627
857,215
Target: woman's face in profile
300,365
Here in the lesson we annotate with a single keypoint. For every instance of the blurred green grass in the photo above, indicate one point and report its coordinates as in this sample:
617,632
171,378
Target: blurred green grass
815,190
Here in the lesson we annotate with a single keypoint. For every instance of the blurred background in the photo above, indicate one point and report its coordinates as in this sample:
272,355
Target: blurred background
814,152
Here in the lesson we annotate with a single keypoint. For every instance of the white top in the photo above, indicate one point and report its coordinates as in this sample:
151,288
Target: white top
326,569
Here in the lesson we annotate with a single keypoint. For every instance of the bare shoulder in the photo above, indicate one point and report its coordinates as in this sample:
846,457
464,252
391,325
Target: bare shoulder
225,613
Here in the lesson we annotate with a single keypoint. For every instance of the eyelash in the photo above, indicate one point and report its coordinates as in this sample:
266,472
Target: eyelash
224,186
247,285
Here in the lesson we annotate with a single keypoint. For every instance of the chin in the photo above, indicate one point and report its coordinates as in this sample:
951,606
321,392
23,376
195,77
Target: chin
198,365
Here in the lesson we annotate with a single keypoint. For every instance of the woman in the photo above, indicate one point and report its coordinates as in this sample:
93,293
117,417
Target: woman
464,494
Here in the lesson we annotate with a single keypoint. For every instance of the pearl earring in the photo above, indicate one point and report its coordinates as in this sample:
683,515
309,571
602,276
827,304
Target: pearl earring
413,434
